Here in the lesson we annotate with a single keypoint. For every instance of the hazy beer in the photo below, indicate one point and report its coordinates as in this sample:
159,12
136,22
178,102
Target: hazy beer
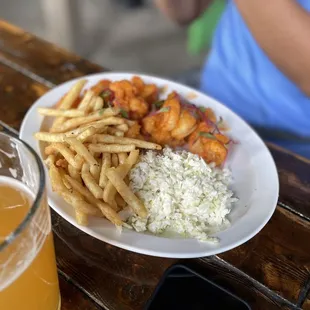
28,274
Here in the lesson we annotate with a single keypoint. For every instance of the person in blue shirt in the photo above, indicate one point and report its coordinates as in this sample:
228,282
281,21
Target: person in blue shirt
259,64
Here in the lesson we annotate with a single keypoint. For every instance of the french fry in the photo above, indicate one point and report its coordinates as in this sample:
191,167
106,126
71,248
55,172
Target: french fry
122,158
75,199
50,137
109,190
50,150
78,121
91,105
99,125
67,185
95,170
103,138
62,172
126,179
72,95
130,198
81,217
109,121
109,213
88,209
79,161
50,160
79,205
120,201
115,132
88,132
64,151
98,104
81,150
107,210
62,163
106,164
75,132
84,191
111,148
122,127
90,182
130,122
64,113
67,102
114,160
58,185
119,133
132,159
56,179
74,173
86,100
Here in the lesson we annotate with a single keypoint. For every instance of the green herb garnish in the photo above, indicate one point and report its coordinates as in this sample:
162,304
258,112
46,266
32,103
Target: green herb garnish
206,135
159,104
101,111
124,113
104,94
202,109
165,109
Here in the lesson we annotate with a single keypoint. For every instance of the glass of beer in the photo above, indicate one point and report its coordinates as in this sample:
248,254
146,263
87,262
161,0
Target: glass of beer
28,273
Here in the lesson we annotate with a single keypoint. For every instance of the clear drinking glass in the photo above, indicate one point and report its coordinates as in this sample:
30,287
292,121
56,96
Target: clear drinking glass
28,273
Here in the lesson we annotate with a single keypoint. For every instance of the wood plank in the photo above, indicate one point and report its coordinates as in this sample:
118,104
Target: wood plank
115,278
73,298
279,256
239,284
17,93
92,264
306,305
304,296
294,175
42,58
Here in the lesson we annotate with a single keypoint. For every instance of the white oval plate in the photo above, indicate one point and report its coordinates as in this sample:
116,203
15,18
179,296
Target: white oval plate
255,180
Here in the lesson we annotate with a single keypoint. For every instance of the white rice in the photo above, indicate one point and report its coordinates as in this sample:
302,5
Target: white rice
182,194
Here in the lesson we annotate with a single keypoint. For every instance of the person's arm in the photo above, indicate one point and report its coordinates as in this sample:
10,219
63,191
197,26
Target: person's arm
282,29
182,11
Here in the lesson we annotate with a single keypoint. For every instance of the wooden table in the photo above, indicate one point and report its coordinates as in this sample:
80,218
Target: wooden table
271,271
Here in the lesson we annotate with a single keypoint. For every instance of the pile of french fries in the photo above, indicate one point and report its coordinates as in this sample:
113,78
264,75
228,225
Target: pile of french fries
89,158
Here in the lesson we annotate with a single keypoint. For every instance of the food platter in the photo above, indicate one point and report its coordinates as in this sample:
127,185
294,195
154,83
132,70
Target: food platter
255,179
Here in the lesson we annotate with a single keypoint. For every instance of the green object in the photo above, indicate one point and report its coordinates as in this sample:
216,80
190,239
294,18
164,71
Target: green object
200,32
206,135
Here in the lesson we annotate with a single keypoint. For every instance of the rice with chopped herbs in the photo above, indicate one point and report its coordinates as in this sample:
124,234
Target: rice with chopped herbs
182,194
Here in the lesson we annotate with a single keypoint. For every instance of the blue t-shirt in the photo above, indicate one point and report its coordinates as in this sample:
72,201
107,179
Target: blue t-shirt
240,74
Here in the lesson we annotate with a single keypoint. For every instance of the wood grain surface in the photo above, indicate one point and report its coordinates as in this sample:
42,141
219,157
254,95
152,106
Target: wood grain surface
306,305
73,298
17,94
294,180
271,271
132,277
41,59
279,256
